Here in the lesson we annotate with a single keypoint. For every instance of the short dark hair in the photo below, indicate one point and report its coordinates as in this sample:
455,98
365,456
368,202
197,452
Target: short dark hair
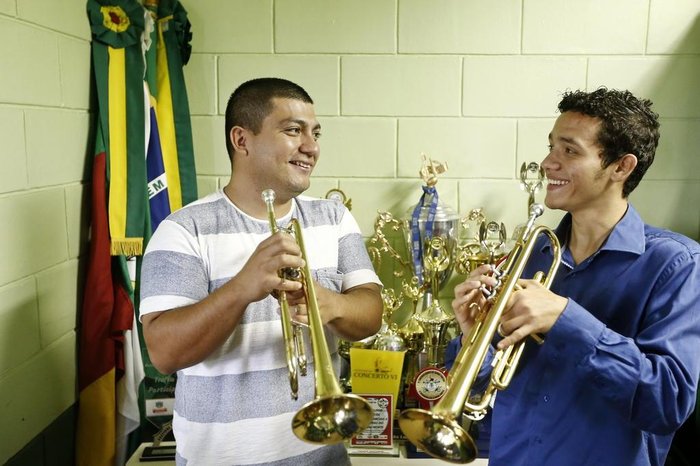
628,126
251,102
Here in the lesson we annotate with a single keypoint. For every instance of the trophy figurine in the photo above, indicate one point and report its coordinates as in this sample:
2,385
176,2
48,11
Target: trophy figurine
493,241
388,339
157,451
531,179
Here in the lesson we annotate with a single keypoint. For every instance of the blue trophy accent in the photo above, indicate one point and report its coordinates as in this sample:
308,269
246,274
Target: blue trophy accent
429,198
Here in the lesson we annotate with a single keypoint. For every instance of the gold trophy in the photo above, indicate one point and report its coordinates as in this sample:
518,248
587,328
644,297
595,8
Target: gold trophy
388,338
470,253
430,233
411,331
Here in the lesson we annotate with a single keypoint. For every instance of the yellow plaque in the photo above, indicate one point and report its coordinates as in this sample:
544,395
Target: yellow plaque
375,371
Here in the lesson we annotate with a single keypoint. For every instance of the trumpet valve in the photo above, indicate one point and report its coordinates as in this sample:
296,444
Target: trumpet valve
488,292
290,273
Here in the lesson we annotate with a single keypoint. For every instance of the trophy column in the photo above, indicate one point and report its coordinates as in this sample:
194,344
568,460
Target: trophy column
431,231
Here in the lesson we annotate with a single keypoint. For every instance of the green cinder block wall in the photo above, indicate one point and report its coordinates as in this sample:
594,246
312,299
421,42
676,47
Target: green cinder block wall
473,83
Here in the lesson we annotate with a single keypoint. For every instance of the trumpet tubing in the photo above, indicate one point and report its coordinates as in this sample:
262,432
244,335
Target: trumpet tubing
332,416
289,333
438,431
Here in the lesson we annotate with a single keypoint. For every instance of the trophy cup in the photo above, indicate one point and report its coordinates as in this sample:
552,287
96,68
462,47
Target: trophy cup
431,234
429,231
481,242
470,253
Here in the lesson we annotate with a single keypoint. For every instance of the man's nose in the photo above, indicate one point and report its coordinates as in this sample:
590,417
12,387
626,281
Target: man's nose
548,161
309,145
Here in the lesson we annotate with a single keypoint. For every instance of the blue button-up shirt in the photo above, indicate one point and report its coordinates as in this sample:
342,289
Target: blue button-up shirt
618,371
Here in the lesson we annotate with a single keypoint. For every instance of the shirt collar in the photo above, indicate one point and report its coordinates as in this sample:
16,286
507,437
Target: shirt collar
626,236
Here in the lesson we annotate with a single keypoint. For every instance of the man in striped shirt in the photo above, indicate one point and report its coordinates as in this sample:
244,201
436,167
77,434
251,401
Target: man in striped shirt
207,278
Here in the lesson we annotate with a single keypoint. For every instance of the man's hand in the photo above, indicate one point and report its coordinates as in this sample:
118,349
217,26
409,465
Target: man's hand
260,275
531,309
354,314
298,306
469,299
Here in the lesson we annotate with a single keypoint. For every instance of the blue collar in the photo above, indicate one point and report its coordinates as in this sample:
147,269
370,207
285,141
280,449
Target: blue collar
627,235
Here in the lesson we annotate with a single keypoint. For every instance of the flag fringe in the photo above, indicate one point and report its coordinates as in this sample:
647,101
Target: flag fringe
126,247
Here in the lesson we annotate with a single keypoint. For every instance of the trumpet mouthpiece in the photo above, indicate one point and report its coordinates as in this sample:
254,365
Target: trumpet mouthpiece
268,196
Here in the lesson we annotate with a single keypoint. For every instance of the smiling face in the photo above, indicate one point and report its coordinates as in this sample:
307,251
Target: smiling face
577,182
282,155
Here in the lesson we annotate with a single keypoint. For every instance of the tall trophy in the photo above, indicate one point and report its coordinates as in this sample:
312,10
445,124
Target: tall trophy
431,231
423,265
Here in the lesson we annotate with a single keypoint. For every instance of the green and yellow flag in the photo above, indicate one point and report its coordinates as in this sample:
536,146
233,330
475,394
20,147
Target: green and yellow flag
117,28
136,123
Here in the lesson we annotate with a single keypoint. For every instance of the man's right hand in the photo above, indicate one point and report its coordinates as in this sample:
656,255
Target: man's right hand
469,299
260,274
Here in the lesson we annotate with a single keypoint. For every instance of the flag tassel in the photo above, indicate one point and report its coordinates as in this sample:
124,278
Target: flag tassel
126,247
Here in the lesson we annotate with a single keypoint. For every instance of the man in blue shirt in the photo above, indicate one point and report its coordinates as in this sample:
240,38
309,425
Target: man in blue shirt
618,371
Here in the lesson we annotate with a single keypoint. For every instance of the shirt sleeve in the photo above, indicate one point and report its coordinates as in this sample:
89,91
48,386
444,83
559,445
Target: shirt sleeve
173,273
650,379
353,260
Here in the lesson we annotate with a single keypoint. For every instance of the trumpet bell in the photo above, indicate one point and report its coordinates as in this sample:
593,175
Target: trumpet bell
332,419
438,435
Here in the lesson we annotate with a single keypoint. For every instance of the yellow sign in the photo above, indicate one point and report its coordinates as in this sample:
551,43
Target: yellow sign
375,371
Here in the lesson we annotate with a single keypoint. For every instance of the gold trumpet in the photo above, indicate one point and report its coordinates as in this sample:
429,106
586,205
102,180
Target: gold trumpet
295,349
438,431
333,416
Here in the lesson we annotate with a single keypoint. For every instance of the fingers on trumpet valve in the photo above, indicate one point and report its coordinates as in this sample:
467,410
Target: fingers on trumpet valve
293,276
300,315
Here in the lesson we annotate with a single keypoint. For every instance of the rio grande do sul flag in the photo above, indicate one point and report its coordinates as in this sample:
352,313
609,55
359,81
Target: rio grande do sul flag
107,314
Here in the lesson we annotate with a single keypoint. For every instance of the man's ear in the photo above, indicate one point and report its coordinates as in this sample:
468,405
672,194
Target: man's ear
624,167
239,139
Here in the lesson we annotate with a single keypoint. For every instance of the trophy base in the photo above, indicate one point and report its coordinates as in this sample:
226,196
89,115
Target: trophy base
159,453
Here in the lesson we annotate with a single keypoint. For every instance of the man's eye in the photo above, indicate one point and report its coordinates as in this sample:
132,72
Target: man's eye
293,130
317,135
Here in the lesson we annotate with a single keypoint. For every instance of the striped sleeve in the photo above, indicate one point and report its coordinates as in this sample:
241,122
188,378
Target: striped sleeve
173,273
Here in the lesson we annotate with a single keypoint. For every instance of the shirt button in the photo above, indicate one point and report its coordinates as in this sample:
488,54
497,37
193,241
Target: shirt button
546,398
